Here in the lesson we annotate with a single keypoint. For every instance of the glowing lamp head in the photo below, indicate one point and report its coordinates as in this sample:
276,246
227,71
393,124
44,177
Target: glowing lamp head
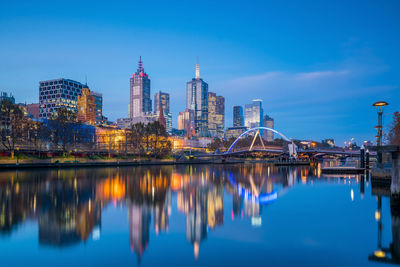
380,104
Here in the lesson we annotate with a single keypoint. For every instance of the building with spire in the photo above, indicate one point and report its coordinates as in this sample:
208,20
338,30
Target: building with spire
140,101
161,100
197,100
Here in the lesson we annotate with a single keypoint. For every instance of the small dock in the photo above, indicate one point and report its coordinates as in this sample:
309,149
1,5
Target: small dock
342,170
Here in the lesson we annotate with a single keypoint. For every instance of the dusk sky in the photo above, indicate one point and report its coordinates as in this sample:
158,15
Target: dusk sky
317,65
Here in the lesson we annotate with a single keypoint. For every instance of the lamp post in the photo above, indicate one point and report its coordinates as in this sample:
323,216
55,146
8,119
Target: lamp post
379,108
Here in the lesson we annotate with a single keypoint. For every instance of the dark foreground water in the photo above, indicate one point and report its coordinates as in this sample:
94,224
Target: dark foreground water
214,215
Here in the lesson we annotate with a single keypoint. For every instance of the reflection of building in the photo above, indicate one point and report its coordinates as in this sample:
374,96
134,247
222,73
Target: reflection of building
216,114
268,122
254,114
140,102
139,228
54,94
197,100
238,119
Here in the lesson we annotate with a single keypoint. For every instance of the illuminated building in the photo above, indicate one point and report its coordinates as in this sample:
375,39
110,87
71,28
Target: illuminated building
54,94
254,114
124,123
110,138
197,100
140,102
162,100
86,106
98,108
268,122
216,114
186,122
238,119
329,142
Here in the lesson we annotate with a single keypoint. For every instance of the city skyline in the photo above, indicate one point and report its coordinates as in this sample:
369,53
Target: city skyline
310,85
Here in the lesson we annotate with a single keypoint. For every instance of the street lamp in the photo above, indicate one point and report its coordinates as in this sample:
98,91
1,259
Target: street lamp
379,108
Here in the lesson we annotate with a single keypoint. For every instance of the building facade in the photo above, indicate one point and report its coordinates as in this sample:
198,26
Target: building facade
197,100
161,99
5,96
86,107
186,122
140,102
216,114
33,110
254,114
268,122
98,107
234,131
238,119
54,94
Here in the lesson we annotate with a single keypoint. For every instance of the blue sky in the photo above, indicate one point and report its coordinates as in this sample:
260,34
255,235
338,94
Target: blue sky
317,65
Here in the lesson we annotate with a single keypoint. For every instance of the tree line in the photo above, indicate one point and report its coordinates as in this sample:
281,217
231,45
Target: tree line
63,132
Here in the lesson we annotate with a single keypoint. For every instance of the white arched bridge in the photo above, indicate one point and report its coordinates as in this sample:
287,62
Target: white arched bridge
292,150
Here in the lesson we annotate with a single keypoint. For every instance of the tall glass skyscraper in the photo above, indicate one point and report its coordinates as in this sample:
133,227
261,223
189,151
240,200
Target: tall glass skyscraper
162,99
140,101
197,100
216,114
238,119
254,114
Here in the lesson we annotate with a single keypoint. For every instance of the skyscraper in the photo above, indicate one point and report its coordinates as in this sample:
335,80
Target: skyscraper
216,114
197,100
186,122
98,107
57,93
162,100
238,119
254,114
140,102
268,122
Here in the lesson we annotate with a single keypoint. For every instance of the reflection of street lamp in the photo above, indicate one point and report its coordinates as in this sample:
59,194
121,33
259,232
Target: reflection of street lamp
379,108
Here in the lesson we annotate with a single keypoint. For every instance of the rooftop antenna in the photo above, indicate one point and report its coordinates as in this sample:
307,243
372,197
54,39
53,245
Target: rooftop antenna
197,69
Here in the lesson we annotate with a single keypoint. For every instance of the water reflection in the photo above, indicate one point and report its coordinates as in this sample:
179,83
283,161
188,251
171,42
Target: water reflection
68,204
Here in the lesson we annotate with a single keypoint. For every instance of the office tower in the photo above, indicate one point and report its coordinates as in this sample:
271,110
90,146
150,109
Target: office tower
216,114
98,107
162,100
5,96
254,114
268,122
54,94
238,120
140,102
186,122
86,106
197,100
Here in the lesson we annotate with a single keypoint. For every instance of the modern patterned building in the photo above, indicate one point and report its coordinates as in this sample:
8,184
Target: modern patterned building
197,100
238,119
216,114
140,102
254,114
54,94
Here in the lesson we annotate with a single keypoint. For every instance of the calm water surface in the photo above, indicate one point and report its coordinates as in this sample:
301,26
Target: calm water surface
215,215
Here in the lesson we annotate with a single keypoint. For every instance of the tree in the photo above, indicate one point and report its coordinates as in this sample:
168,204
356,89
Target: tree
138,132
393,136
62,127
12,125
